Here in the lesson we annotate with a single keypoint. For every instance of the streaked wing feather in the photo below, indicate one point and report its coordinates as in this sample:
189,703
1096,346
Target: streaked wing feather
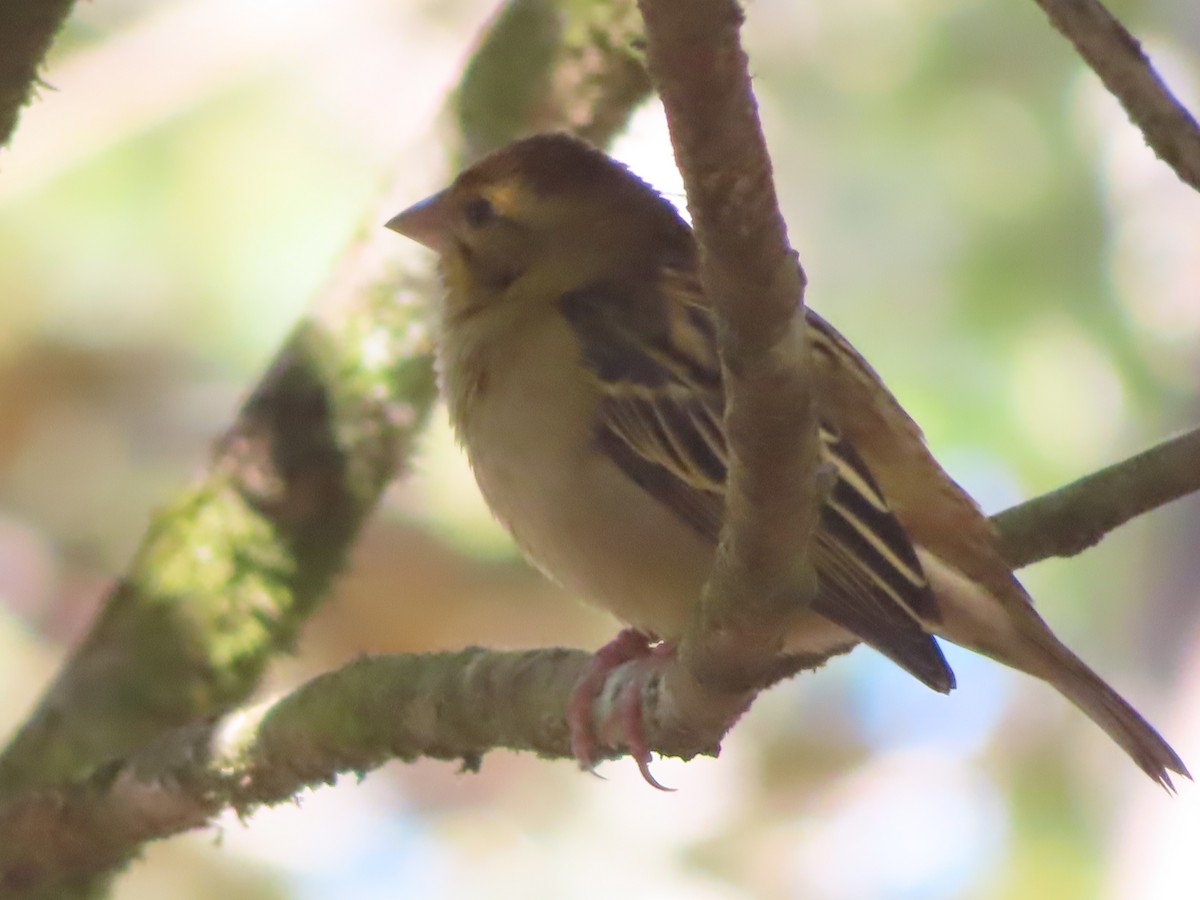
660,422
871,581
873,532
637,452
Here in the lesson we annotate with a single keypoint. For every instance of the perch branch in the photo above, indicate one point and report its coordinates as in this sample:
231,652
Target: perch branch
454,706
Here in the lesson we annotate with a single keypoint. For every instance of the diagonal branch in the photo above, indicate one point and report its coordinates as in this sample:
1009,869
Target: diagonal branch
227,574
1117,57
1075,517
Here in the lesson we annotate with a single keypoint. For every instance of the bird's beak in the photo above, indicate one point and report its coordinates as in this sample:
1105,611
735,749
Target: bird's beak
427,222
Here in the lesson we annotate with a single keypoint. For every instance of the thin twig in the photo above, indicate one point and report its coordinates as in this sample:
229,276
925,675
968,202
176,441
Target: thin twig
1117,57
1074,517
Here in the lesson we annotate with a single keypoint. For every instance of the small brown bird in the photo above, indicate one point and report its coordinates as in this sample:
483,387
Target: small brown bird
578,359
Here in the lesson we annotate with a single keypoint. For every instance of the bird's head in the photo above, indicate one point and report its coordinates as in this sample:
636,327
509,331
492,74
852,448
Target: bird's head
549,212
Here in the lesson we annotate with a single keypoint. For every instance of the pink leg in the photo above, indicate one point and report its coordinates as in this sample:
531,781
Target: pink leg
623,727
627,645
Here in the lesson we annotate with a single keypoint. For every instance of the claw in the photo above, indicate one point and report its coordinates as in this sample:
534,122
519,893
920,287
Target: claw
624,724
626,646
628,712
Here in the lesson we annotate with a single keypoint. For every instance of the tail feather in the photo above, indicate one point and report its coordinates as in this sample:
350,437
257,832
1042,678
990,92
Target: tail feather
1124,724
1011,632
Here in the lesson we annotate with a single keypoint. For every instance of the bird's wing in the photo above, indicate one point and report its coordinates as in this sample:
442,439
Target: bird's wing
661,422
924,498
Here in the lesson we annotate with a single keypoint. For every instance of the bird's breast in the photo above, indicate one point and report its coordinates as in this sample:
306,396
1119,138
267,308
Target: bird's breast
525,417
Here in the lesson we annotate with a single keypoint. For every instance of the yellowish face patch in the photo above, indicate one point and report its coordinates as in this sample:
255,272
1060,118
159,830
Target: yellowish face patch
505,197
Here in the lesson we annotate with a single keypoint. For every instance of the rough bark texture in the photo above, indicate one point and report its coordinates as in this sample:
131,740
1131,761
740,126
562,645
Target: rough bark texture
754,279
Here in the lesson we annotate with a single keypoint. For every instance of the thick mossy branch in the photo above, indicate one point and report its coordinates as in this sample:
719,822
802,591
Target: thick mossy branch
26,29
227,574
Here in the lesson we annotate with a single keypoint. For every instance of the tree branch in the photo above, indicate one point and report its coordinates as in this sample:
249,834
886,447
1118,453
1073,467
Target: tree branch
1117,57
454,706
26,29
546,65
763,360
226,575
1075,517
451,706
350,720
752,276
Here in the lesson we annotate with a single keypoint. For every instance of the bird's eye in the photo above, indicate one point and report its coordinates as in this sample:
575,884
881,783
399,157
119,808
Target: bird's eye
479,212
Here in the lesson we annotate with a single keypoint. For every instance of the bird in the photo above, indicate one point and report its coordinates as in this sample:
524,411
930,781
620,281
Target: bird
577,355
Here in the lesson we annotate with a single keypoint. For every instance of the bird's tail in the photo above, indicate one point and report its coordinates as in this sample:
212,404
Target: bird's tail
1104,706
1010,631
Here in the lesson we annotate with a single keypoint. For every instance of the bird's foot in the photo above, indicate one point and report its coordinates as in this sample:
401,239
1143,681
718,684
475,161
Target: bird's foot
623,725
